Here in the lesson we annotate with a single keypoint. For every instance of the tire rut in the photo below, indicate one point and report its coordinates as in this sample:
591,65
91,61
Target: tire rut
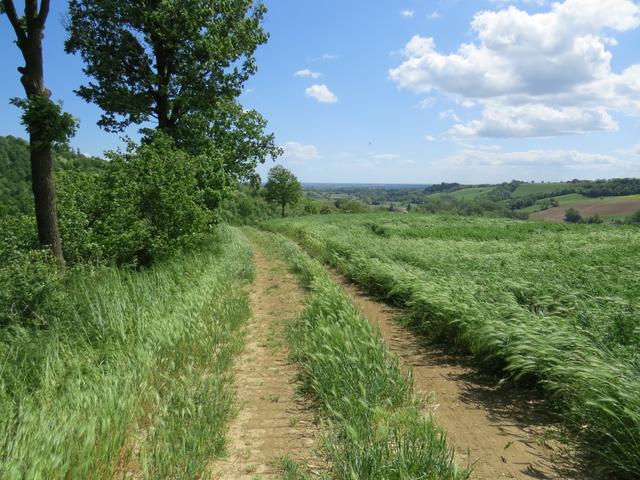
273,421
502,431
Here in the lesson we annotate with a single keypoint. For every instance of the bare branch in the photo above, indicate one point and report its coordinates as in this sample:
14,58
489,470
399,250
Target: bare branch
44,11
10,10
31,9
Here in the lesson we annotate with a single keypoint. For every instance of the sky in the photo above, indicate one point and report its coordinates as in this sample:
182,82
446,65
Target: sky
418,91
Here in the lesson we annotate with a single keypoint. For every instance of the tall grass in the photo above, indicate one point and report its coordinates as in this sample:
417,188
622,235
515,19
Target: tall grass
129,372
378,430
556,304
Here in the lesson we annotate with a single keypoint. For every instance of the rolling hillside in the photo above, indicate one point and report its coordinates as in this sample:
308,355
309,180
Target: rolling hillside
15,172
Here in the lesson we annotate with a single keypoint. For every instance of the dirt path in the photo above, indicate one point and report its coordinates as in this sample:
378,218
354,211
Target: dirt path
500,429
273,421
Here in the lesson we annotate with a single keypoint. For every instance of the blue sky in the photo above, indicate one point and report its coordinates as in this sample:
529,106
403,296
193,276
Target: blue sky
418,91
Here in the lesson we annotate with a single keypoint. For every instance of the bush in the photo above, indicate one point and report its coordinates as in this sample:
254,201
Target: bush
246,206
351,206
144,204
26,273
572,216
634,218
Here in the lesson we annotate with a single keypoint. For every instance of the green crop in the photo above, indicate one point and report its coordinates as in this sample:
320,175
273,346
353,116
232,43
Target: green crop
555,304
378,430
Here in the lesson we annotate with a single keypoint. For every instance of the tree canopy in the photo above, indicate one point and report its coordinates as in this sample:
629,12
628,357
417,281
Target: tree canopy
180,64
282,187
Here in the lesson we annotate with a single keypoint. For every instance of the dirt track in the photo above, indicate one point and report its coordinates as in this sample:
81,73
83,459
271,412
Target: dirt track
273,421
620,207
499,430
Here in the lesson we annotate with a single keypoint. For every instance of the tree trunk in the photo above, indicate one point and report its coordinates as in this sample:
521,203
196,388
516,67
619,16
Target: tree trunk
44,194
283,204
29,40
162,88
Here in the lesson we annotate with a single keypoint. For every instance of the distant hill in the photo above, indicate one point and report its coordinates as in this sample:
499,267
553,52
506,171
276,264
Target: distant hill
15,172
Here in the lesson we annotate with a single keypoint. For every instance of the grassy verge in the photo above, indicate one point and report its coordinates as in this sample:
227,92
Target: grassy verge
377,428
554,305
129,372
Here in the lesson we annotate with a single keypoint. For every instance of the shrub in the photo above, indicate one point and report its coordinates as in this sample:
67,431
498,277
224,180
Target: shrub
634,218
26,272
572,216
145,203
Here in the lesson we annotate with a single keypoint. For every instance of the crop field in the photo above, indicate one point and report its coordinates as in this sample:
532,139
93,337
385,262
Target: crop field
612,208
547,304
536,188
469,193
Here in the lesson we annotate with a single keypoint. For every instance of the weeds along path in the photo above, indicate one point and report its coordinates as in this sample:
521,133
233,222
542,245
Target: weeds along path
501,432
273,422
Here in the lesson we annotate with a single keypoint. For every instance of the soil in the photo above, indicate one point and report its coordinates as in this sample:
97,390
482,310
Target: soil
501,431
273,421
620,207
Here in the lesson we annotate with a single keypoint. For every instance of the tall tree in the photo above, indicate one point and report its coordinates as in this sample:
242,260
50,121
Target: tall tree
282,187
44,119
180,64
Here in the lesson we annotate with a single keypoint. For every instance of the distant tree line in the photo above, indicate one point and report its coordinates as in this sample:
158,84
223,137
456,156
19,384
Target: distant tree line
611,188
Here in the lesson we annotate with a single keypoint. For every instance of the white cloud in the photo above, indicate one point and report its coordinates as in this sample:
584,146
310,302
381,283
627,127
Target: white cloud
407,13
535,120
300,152
554,62
430,138
306,73
426,103
321,93
449,115
633,151
536,158
324,56
434,16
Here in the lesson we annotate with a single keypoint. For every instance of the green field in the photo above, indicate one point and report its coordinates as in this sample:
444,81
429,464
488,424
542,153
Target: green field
536,188
574,198
556,305
469,193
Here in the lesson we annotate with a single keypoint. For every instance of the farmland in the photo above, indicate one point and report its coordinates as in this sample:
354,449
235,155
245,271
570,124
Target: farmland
610,208
537,188
256,240
550,305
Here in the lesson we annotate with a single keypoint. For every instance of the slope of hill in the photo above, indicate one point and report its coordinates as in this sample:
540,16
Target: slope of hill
525,189
15,172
